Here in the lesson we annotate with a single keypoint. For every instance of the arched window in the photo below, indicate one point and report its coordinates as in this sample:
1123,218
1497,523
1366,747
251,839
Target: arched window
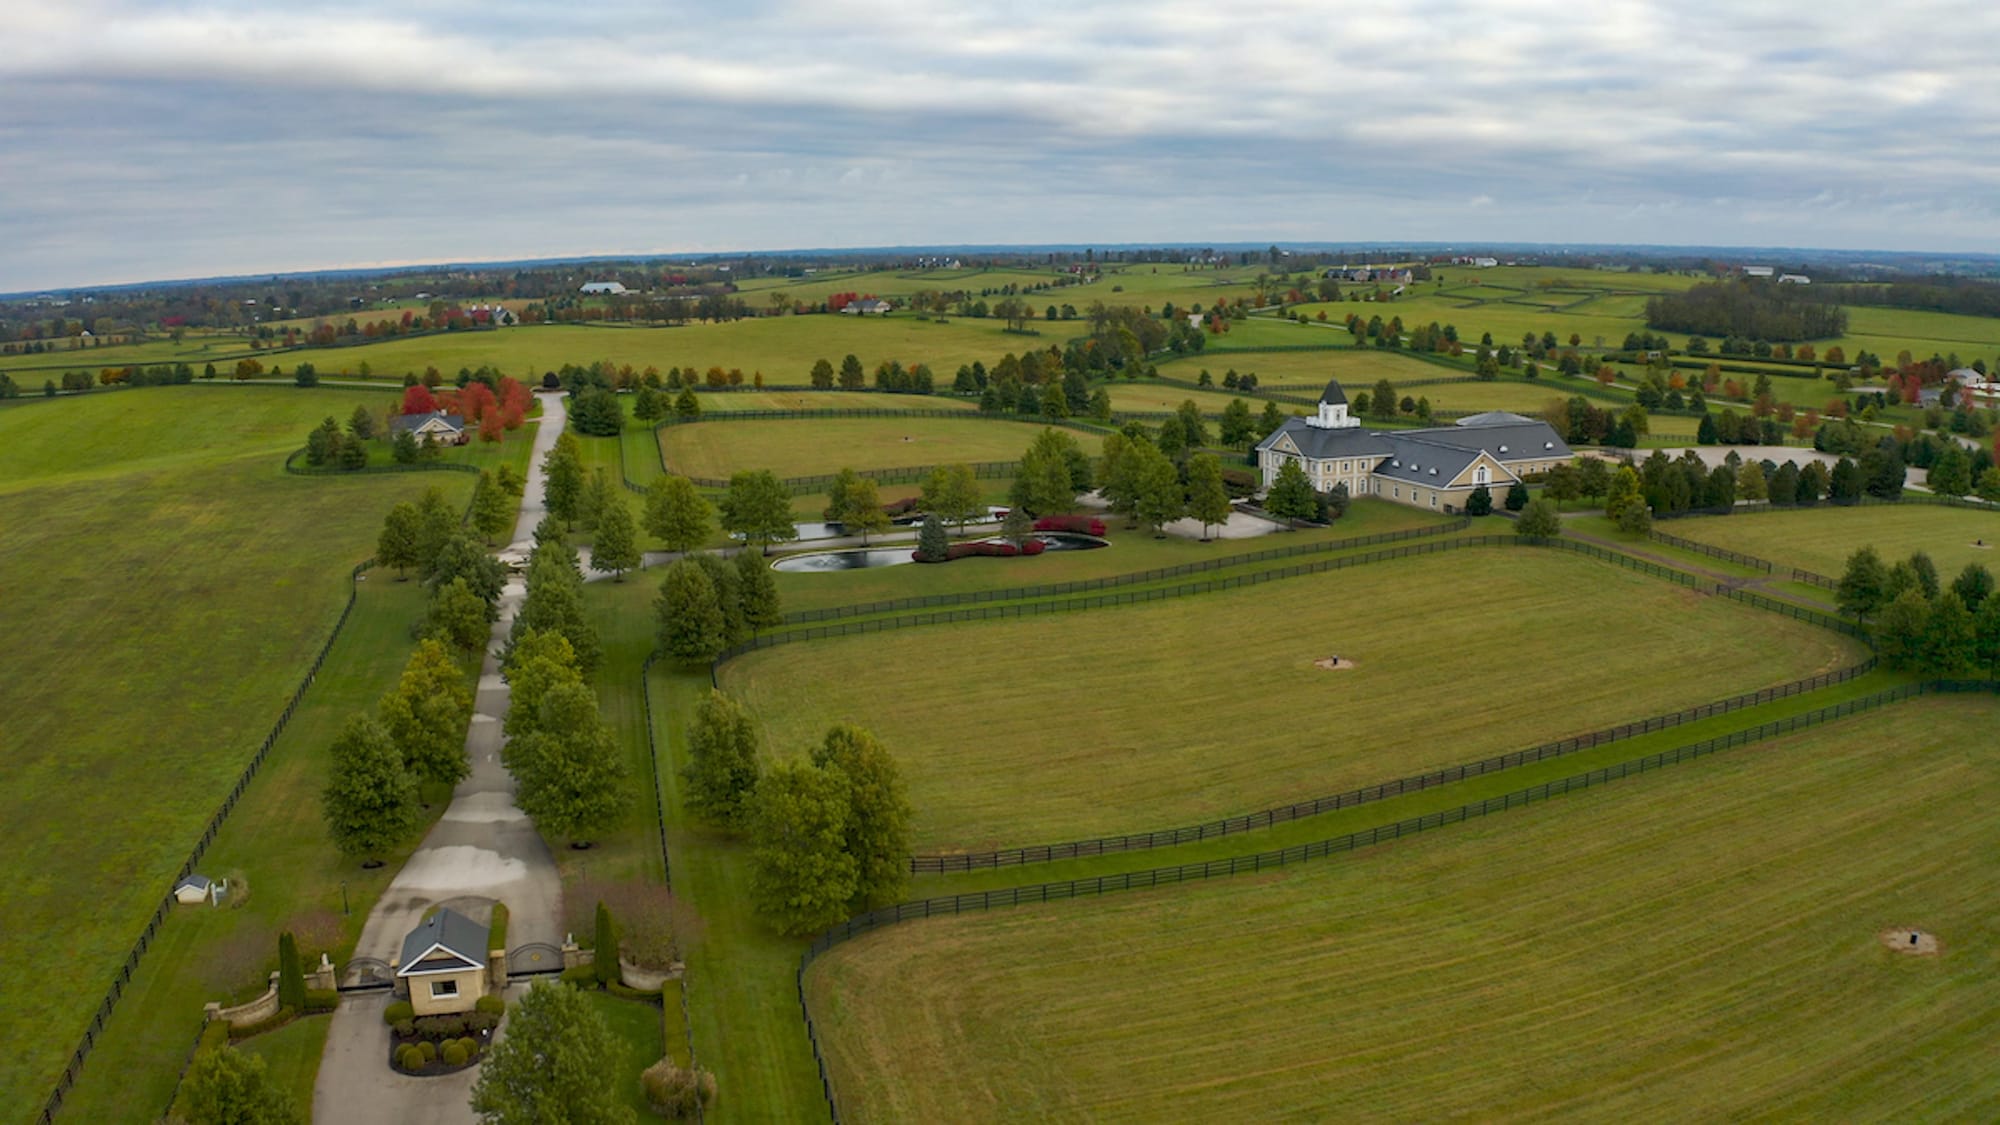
1479,476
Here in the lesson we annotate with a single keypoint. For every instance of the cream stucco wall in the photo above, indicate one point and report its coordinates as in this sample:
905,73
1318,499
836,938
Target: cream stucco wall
471,986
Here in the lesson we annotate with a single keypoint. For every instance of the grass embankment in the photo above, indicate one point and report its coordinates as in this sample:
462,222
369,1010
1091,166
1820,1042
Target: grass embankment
274,841
810,446
1706,946
1459,656
635,1024
1820,539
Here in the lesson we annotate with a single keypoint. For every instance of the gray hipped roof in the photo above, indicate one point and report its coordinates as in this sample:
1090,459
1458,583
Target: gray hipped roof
403,422
1333,395
1320,444
1494,418
457,935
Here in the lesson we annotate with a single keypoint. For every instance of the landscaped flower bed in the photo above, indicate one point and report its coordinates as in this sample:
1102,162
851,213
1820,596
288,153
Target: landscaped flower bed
987,548
432,1045
1081,525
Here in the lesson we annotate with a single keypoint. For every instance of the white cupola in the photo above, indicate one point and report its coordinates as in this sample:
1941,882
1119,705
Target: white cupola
1332,409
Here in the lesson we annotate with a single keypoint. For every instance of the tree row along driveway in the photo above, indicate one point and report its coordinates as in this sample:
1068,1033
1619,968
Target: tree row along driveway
483,850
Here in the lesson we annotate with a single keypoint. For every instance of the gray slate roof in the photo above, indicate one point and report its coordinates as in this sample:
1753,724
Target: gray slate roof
1494,418
1320,444
448,928
1410,455
1333,394
198,882
403,422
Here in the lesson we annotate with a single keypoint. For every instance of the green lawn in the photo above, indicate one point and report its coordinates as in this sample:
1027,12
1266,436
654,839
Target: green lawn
1356,368
275,842
1820,539
636,1025
1701,944
1460,656
735,402
292,1053
810,446
176,605
1151,396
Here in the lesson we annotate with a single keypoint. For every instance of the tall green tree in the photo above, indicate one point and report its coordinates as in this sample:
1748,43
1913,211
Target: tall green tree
616,548
878,813
1864,584
1899,632
1973,585
1194,427
722,767
1160,500
686,406
570,777
1623,494
401,541
436,525
802,877
1951,473
759,509
1950,638
559,1062
604,950
692,629
1539,520
1382,402
1291,495
538,663
1238,427
464,557
599,495
1986,636
562,479
1926,573
822,374
952,493
291,976
554,604
864,512
457,616
727,578
370,799
426,715
225,1086
933,545
1479,502
757,593
852,377
1270,420
1045,484
677,515
492,508
1207,497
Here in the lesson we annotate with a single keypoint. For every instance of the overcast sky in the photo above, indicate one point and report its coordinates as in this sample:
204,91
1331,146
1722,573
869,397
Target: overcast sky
200,137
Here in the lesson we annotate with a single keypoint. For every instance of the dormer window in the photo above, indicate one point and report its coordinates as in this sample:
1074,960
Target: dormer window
1548,445
1503,449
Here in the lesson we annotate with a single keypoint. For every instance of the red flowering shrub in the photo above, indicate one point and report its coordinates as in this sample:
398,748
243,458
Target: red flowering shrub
999,549
1081,525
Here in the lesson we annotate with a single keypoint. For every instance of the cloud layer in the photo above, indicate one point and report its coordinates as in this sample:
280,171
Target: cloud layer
142,140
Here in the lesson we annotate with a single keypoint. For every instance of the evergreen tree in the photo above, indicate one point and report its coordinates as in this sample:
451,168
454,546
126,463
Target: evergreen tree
401,541
562,479
1950,639
361,423
492,509
1207,498
1864,586
570,777
1238,427
1986,636
1926,573
370,799
1480,502
677,515
878,813
604,950
1517,497
323,444
1382,401
426,714
1845,483
1704,432
1973,585
1290,497
852,377
1100,405
404,448
352,454
932,543
686,406
723,758
291,977
1899,634
691,625
617,545
757,593
802,877
1271,420
557,1063
822,374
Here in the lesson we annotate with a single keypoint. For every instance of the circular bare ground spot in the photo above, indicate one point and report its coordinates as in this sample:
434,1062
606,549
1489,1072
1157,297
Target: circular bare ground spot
1334,664
1980,545
1915,942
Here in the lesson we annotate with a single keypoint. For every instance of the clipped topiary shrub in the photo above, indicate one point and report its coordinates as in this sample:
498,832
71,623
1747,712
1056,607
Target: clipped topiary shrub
489,1003
454,1053
440,1027
322,999
676,1092
580,976
482,1021
496,930
398,1011
471,1046
428,1050
411,1057
404,1028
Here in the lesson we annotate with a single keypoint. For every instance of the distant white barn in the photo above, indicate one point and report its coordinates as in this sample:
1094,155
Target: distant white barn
605,287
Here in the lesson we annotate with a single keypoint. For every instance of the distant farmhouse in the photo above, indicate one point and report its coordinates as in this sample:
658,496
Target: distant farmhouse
1758,271
435,428
867,306
612,287
1794,279
1434,468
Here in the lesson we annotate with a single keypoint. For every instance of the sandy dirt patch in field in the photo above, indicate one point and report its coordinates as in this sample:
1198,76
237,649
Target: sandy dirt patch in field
1911,941
1335,664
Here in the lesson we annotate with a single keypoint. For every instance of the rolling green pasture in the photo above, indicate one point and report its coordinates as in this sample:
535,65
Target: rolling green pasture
1355,367
900,283
274,843
736,402
1130,552
1151,396
1820,539
102,435
196,348
807,446
1460,656
161,616
1701,944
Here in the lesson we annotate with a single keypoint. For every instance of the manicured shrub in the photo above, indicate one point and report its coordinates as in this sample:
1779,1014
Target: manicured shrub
454,1053
496,930
903,507
676,1092
992,549
1081,525
322,999
404,1028
440,1027
493,1004
214,1033
429,1051
411,1057
471,1046
482,1021
580,976
398,1011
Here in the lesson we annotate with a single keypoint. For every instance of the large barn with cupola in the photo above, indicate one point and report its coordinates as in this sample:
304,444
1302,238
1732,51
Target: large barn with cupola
1435,468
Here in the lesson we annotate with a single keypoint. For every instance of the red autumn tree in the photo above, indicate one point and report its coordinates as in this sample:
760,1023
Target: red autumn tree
490,426
475,402
417,399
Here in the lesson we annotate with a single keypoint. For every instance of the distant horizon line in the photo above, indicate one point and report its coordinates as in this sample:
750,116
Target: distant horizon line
710,256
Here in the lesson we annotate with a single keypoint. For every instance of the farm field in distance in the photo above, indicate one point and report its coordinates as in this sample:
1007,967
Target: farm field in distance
177,601
1704,943
1820,539
1073,742
810,446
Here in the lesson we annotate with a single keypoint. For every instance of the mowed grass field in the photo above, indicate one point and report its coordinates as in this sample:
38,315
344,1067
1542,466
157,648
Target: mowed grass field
808,446
157,621
1357,368
1700,944
1820,539
736,402
1141,717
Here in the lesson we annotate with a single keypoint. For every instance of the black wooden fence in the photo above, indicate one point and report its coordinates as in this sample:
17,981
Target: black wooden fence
116,989
906,474
660,817
1140,577
1031,609
293,467
1140,841
1271,860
